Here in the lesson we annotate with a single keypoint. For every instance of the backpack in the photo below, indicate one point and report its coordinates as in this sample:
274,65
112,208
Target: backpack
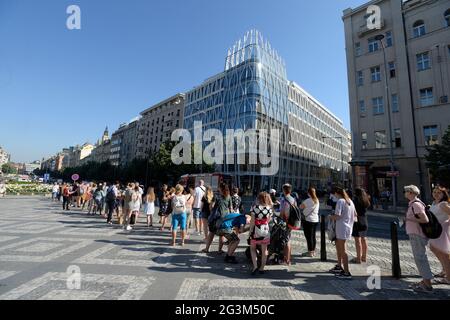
98,195
295,217
111,195
432,229
179,204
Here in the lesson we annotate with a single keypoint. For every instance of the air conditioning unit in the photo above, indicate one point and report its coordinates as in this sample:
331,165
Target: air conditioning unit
443,99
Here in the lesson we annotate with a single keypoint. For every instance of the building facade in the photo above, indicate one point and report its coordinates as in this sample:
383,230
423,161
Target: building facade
102,150
253,92
157,123
4,157
417,68
124,144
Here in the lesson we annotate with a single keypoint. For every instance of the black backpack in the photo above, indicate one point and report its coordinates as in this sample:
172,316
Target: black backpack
295,216
432,229
111,195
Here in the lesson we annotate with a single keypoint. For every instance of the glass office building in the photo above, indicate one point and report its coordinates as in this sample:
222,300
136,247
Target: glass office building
253,92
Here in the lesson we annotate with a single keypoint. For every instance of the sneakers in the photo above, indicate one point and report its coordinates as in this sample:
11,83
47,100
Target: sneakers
421,287
230,259
128,228
336,269
343,275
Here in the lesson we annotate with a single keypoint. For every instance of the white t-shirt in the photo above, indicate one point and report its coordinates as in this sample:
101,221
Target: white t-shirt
55,189
199,193
311,211
344,225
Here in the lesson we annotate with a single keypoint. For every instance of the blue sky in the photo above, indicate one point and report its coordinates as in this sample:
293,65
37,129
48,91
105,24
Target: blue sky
61,87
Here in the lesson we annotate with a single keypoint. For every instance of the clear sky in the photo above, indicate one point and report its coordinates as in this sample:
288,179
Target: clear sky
61,87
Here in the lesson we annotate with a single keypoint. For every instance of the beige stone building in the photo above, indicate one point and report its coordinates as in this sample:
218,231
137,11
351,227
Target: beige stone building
417,65
157,123
101,152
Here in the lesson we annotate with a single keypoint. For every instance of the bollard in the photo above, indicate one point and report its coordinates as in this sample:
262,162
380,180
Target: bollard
396,269
323,239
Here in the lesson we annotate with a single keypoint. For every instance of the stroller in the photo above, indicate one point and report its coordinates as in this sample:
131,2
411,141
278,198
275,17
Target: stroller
278,240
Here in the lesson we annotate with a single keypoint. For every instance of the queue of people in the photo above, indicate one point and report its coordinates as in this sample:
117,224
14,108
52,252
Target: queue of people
222,215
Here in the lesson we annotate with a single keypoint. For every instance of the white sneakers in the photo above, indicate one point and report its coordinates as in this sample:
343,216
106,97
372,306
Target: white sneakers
128,228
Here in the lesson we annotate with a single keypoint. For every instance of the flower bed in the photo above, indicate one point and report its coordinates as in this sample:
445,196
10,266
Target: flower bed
28,189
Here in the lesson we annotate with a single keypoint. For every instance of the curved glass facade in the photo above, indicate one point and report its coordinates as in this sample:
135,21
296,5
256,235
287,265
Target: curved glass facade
254,93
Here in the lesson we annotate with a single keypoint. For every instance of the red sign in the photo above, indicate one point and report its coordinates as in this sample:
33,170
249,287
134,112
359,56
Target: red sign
75,177
393,174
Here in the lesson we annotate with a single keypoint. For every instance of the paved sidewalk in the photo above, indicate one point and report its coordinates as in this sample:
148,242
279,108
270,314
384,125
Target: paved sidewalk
39,242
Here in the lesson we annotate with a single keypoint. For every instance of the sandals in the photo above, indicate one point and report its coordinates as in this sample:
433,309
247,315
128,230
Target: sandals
220,252
441,281
205,251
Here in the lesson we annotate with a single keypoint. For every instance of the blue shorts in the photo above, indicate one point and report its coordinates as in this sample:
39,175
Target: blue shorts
179,219
197,213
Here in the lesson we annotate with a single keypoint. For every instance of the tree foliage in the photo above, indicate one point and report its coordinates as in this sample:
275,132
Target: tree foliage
156,169
438,160
7,168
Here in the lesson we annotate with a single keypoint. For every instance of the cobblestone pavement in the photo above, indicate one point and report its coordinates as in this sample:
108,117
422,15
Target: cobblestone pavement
41,246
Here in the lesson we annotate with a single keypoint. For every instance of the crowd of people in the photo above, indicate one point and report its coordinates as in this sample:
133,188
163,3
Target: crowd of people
210,213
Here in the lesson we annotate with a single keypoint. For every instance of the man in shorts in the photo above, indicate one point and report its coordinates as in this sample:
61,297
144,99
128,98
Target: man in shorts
200,191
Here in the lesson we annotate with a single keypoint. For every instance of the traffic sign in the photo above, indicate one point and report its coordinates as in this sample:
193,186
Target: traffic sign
75,177
393,174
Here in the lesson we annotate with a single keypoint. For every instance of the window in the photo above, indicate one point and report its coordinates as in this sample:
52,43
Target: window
378,106
398,138
395,107
358,50
360,78
431,135
423,61
389,41
380,139
426,97
178,112
362,107
364,141
392,69
447,18
376,74
373,45
419,29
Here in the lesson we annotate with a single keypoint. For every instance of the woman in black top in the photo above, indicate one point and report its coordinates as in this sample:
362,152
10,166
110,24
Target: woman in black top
361,201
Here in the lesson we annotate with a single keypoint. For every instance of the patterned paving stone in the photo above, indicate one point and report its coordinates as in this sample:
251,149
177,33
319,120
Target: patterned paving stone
53,286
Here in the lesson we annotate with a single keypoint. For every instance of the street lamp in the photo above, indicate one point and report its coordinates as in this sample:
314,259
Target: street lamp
342,156
379,38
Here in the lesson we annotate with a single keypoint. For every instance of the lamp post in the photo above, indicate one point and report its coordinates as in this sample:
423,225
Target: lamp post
342,156
379,38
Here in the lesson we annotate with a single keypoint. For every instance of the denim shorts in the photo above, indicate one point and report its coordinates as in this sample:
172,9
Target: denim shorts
197,213
179,219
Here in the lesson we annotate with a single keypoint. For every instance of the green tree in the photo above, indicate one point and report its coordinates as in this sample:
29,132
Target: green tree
7,168
438,160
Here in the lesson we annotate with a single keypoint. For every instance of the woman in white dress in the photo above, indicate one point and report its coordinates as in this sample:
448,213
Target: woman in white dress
135,204
149,206
345,216
441,246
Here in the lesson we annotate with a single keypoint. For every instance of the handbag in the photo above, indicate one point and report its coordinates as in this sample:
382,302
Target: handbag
331,230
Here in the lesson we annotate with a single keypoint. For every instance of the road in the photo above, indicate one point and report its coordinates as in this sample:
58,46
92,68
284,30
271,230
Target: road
41,247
